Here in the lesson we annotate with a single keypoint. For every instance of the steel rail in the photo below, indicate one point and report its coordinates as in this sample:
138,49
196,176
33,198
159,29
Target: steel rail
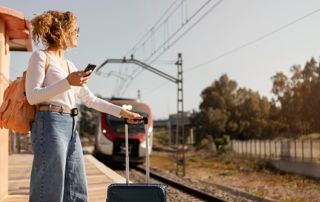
189,190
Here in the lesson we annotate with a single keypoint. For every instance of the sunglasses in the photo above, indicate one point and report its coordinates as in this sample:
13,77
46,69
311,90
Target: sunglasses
77,30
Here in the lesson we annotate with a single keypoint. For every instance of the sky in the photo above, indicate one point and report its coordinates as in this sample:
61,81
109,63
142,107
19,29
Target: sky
249,40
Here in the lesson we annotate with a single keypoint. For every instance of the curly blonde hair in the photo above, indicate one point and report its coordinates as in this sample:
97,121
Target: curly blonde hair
53,28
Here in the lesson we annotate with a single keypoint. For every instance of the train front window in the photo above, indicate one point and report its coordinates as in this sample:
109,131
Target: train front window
117,126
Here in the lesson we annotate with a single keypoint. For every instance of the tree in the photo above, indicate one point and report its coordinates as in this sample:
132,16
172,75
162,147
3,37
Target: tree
253,113
217,101
298,98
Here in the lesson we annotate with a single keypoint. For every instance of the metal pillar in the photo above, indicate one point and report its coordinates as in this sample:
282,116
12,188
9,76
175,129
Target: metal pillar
180,139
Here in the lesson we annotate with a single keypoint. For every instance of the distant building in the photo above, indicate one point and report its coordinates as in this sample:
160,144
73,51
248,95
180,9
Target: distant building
170,125
14,36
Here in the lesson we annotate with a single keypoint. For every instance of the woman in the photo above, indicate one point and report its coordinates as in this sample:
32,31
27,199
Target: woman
58,172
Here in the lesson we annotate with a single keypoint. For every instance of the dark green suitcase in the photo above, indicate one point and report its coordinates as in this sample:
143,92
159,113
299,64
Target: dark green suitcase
137,193
134,192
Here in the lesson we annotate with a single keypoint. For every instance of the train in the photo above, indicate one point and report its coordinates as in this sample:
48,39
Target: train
110,142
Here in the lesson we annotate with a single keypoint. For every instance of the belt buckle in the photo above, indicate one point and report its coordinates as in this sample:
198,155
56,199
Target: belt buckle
74,112
61,110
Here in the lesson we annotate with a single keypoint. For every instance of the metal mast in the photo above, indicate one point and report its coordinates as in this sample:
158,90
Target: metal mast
180,139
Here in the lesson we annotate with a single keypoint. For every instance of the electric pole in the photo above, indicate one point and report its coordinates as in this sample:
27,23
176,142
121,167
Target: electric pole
180,139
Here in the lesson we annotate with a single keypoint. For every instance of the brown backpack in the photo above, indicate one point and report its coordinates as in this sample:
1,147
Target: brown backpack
15,111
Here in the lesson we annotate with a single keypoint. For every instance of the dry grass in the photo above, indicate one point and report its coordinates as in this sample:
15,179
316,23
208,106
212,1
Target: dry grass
243,174
163,160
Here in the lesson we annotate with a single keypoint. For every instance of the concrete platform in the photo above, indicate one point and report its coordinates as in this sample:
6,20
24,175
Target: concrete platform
99,177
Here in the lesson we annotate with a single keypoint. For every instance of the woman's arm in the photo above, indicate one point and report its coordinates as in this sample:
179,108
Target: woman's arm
94,102
35,92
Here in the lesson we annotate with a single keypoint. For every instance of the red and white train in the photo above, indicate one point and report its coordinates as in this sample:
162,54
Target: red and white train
110,142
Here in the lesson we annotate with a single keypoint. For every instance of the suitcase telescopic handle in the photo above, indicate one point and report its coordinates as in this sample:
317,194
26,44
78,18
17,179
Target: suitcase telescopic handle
137,121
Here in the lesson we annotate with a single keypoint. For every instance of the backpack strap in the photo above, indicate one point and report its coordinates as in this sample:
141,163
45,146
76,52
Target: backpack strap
46,66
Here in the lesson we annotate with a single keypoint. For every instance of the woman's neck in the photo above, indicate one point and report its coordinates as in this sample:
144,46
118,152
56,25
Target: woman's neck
58,52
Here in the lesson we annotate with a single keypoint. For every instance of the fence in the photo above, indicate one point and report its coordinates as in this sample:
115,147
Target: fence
22,143
19,143
298,150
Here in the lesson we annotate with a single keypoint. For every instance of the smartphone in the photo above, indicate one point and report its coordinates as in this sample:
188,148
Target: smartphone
90,67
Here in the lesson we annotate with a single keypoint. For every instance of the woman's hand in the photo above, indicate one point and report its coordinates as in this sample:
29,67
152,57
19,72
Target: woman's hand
78,78
131,116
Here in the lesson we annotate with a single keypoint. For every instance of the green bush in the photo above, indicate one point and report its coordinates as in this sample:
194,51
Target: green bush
203,144
221,142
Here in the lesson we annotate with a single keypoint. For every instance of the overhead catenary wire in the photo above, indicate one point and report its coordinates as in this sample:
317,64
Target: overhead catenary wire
177,31
143,38
149,36
178,38
142,42
247,44
190,28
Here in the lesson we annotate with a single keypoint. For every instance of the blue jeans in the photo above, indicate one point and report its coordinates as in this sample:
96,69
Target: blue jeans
58,172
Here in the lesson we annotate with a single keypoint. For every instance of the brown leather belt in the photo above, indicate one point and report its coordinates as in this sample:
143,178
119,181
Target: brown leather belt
59,109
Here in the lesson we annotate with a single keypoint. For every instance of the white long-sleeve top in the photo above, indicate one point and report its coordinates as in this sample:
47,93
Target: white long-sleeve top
53,87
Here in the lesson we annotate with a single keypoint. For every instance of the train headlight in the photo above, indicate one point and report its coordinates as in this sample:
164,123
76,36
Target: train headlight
106,134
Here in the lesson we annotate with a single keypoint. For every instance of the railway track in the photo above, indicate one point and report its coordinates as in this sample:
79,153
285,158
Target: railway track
191,193
173,194
184,190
